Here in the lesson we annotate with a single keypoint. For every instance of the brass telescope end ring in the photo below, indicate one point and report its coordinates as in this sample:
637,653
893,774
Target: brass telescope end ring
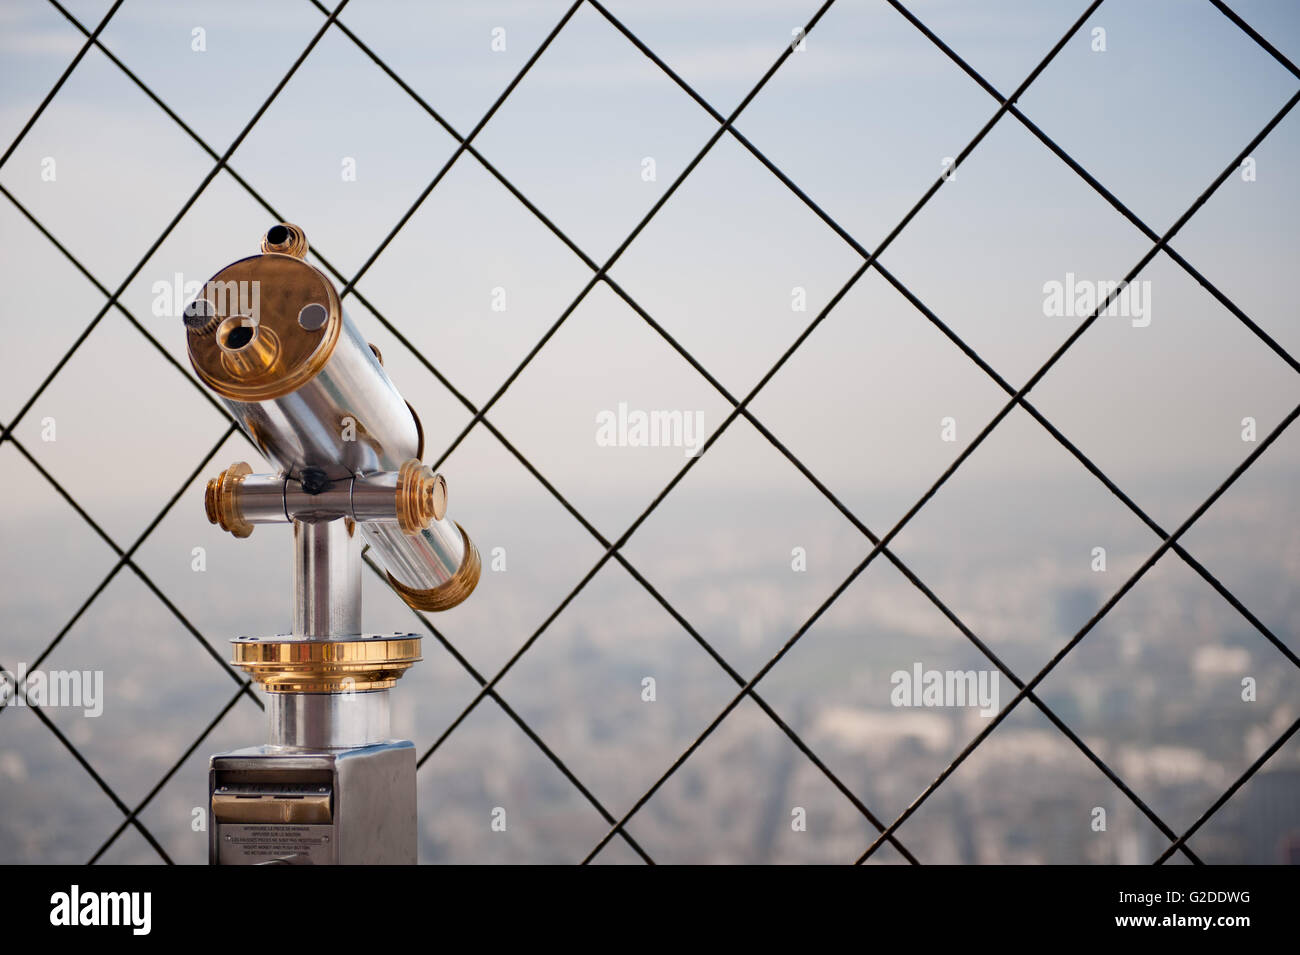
449,593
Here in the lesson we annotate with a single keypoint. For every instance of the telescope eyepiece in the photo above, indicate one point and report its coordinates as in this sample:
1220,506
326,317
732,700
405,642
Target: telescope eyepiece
286,239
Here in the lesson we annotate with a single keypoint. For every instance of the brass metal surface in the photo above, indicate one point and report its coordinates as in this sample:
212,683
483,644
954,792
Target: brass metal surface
282,356
421,496
200,318
257,352
302,809
293,243
294,665
221,500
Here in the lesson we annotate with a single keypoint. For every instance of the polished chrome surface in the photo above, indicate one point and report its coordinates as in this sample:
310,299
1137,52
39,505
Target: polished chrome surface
369,497
348,419
326,579
327,720
378,503
260,499
345,421
420,561
276,499
332,503
374,498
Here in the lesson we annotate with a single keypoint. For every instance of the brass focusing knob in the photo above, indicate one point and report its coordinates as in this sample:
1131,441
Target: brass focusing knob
220,500
421,497
201,317
286,239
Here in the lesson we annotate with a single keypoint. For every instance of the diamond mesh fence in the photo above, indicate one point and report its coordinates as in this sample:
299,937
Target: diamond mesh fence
743,684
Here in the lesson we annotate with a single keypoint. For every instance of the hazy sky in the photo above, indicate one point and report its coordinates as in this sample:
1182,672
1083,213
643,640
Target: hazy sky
861,120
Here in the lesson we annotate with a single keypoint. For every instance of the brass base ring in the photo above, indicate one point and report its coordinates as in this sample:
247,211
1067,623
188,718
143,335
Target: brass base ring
296,665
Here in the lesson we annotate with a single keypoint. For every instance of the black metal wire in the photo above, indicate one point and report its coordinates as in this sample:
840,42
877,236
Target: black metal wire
144,260
58,85
1100,189
124,560
461,146
1160,244
245,690
947,331
124,556
519,720
1052,716
1083,631
348,287
872,260
601,273
1228,793
90,770
740,409
1250,31
7,433
618,556
1199,568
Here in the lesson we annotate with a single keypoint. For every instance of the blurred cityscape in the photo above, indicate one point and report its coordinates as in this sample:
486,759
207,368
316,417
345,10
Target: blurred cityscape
1155,690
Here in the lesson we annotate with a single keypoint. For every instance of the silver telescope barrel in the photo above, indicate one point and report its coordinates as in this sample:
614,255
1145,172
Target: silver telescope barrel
269,335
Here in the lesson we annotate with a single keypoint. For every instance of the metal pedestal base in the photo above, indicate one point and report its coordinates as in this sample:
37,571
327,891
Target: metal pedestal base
272,805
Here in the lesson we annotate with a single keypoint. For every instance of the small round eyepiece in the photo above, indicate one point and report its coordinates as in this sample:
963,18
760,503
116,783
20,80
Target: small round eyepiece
247,349
238,337
285,238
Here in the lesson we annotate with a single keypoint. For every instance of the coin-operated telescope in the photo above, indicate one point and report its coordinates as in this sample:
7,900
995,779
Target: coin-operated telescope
269,335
